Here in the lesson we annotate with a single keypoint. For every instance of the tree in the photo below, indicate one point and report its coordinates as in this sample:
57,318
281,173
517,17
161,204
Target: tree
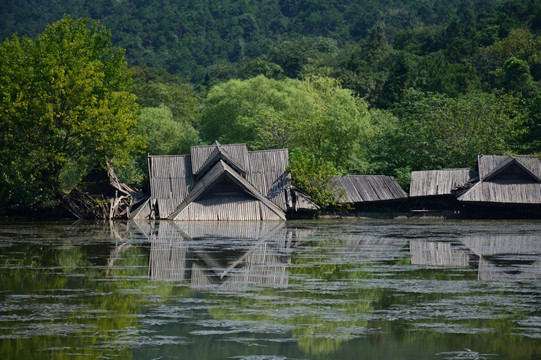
324,126
314,114
64,102
436,131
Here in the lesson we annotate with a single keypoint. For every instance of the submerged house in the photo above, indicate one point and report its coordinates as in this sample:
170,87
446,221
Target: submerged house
368,190
436,189
499,183
505,180
221,182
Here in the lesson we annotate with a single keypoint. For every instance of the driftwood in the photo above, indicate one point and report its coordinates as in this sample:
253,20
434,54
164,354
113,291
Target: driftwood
85,205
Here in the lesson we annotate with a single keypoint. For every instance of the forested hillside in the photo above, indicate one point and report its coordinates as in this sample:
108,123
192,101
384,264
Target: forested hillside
185,36
349,86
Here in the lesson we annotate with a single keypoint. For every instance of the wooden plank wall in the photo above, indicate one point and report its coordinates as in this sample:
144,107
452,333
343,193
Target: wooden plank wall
230,208
200,154
170,181
505,192
438,182
369,188
487,163
267,172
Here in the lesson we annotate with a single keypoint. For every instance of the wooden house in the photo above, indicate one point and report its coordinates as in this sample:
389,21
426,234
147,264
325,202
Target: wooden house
362,190
500,186
505,180
221,182
435,190
438,183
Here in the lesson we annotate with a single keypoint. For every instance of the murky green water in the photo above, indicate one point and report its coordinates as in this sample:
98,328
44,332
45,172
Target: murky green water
294,290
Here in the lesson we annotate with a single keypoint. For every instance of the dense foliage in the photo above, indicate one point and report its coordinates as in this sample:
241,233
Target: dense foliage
65,107
354,86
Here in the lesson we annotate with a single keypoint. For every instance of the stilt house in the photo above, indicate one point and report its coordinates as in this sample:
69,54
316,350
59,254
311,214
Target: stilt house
221,182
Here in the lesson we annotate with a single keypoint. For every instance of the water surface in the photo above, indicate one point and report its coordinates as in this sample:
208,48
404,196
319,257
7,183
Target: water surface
412,289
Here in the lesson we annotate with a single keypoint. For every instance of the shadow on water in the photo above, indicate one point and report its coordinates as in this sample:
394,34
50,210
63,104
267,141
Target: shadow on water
271,290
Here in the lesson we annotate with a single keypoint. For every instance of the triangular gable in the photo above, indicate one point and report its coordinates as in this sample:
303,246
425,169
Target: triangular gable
487,163
214,175
506,165
238,153
219,153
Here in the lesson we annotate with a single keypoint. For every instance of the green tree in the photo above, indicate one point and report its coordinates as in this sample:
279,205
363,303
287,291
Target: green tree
165,135
325,127
436,131
314,114
64,101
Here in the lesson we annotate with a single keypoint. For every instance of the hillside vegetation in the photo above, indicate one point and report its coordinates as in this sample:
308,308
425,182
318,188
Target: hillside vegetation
356,87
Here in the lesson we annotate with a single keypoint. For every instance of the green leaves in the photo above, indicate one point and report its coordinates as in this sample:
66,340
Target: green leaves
441,132
64,99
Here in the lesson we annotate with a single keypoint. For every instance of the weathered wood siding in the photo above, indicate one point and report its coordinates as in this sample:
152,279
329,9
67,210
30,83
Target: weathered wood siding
504,192
264,178
506,180
438,182
170,181
267,172
200,154
487,163
368,188
227,208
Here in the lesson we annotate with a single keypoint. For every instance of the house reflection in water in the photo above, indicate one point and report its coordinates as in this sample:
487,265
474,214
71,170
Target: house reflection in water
222,256
496,257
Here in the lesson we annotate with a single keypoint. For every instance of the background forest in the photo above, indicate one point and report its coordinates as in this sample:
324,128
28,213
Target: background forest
349,86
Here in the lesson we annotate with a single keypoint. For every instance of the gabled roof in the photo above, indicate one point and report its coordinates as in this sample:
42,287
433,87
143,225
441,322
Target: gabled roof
213,176
235,154
488,163
368,188
173,178
219,153
506,180
508,163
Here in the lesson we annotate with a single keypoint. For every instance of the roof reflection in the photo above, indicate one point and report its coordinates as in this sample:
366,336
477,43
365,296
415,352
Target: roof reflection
220,256
495,256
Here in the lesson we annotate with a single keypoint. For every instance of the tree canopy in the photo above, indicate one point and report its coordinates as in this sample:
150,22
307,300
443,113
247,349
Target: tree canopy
64,105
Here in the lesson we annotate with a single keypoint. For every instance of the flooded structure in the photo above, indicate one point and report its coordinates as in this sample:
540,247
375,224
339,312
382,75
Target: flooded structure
368,189
500,185
505,180
221,182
